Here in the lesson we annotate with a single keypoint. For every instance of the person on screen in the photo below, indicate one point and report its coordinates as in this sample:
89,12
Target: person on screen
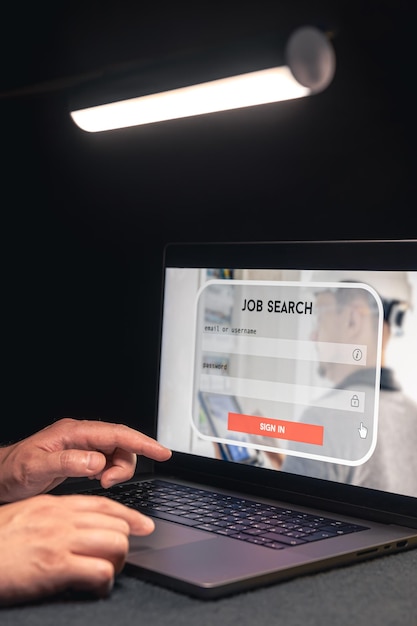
55,543
393,465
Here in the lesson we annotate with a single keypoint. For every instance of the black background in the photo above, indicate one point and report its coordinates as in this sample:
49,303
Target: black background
85,217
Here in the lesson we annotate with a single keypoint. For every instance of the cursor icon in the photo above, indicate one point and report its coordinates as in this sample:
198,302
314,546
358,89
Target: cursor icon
363,431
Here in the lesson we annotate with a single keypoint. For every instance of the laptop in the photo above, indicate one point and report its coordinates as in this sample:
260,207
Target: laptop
287,393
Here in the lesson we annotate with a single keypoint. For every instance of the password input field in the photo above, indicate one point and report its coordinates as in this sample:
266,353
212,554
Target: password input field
285,348
306,395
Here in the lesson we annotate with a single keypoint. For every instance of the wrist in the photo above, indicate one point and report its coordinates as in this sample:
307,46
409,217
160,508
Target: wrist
7,480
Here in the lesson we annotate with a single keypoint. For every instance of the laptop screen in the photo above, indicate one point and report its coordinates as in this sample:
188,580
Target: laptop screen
292,366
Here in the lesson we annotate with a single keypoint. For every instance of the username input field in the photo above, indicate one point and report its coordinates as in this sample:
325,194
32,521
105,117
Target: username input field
306,395
228,343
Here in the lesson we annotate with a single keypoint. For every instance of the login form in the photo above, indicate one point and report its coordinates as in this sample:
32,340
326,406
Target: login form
288,367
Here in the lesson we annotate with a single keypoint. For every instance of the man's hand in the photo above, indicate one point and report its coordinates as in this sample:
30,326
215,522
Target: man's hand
50,544
73,448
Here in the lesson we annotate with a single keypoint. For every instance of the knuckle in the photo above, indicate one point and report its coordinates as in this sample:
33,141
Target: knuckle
104,572
121,543
43,502
65,423
116,551
66,461
124,527
49,560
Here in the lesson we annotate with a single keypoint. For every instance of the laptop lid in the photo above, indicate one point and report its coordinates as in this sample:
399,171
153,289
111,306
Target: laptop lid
253,393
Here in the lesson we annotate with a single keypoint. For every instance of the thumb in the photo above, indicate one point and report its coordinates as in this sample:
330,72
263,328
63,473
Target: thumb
76,463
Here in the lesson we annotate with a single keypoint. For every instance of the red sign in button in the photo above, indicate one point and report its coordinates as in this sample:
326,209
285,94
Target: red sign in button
278,429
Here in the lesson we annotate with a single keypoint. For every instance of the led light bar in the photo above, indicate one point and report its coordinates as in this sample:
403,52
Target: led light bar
224,94
310,69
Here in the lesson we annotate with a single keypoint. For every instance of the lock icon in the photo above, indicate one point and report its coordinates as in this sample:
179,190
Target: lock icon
354,401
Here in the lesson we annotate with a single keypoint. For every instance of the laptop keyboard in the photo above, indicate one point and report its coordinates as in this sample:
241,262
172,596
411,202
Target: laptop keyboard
243,519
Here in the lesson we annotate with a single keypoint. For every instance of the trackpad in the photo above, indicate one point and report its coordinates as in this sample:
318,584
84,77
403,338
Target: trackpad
166,535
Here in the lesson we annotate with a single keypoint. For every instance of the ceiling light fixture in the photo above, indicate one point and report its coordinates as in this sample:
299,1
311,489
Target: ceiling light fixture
308,69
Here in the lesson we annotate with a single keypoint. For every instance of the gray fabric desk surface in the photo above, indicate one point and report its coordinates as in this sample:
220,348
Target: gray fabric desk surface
381,592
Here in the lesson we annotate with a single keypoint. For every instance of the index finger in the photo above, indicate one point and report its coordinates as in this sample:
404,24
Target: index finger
106,437
139,524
